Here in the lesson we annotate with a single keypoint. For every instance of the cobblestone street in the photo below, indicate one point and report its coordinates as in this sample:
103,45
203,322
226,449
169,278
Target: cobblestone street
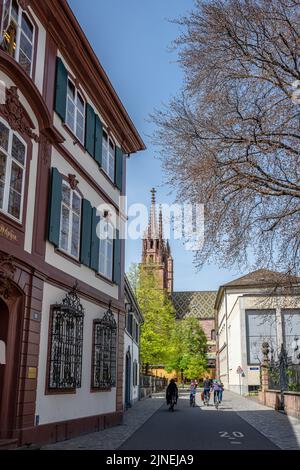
145,424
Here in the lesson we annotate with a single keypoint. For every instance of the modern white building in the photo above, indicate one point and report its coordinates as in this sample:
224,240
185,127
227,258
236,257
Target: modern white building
132,366
262,306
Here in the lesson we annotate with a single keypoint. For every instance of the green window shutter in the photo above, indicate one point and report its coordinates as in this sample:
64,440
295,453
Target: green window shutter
119,168
55,207
94,262
90,130
61,85
117,259
86,229
98,140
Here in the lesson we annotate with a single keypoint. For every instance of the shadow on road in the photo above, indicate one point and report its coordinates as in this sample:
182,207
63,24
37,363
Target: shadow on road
205,428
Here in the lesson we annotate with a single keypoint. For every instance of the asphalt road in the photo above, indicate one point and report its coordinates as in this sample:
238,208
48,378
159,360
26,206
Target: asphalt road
197,428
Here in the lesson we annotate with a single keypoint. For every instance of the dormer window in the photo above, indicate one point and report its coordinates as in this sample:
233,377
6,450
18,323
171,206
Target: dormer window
17,34
75,111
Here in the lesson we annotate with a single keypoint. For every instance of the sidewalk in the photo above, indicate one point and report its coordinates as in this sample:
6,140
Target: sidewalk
282,430
113,438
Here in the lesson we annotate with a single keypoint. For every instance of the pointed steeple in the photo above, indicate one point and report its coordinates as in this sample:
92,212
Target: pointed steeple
156,251
160,224
153,232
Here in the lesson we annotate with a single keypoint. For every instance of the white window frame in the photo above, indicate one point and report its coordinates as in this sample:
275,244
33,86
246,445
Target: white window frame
8,167
76,110
106,242
70,232
19,31
106,166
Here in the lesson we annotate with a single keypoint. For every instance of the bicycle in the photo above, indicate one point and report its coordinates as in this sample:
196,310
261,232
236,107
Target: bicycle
192,399
172,402
206,398
217,400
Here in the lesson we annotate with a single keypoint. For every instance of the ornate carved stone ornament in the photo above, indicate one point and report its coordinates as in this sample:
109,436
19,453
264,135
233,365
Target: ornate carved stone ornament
7,271
16,115
73,182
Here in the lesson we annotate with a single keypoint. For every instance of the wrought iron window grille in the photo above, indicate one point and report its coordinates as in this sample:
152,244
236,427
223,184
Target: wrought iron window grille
66,343
105,351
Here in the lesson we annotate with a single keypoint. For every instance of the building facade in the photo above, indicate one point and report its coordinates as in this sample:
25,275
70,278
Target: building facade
259,307
64,137
132,364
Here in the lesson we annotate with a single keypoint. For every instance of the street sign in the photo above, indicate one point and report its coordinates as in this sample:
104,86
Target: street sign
241,374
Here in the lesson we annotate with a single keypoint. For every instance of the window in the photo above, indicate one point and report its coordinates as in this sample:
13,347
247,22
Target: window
106,250
17,34
137,333
213,335
12,171
135,373
104,351
130,323
70,221
291,329
108,156
66,343
75,111
261,327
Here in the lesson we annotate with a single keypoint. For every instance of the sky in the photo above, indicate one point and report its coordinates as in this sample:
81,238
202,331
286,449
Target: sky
132,40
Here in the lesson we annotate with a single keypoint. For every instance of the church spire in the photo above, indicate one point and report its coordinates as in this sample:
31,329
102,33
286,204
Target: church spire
156,251
153,233
160,224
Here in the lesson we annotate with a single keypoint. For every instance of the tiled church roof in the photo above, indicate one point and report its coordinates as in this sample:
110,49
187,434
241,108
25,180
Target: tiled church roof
198,304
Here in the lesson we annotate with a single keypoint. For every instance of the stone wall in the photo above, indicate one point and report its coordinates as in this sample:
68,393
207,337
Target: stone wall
292,404
271,398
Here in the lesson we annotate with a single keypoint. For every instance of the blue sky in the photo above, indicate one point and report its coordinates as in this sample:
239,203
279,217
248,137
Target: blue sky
132,39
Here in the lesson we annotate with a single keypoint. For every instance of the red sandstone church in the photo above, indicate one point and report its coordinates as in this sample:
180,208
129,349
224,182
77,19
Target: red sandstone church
199,304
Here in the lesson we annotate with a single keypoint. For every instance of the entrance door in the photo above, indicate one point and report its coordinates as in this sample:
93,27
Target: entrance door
128,380
10,334
4,315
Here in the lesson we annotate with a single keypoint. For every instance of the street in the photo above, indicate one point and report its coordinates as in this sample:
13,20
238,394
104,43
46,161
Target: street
197,428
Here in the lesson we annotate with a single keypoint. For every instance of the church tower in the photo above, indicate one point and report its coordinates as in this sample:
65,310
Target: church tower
156,251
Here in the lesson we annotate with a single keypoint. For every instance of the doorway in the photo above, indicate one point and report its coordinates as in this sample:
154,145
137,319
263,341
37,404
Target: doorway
4,315
10,331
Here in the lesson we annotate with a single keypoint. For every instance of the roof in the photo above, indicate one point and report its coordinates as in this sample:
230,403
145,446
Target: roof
132,298
64,27
259,278
199,304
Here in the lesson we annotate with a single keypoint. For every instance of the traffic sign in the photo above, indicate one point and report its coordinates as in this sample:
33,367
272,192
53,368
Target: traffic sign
239,370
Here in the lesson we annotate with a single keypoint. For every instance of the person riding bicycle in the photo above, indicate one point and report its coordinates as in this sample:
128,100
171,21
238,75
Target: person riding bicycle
206,387
172,390
217,388
193,391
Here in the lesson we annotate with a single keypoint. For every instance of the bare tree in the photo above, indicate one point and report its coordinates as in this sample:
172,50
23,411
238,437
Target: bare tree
231,139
